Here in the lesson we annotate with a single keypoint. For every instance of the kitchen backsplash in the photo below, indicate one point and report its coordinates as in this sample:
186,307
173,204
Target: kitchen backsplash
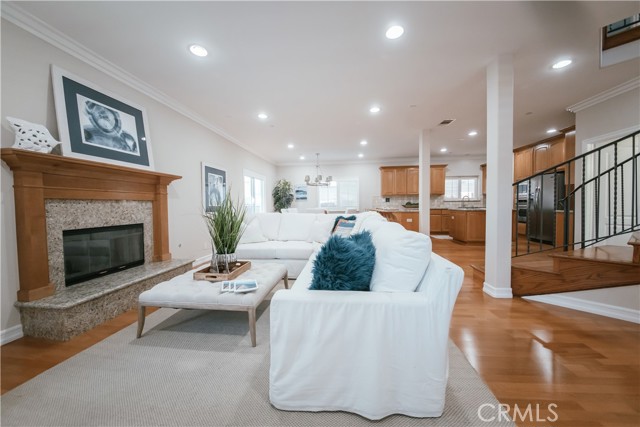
437,202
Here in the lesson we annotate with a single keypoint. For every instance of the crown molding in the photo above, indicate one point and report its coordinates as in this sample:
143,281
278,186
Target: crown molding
607,94
16,15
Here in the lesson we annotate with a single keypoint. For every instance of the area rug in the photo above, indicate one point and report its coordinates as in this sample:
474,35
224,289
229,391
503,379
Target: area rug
197,368
441,237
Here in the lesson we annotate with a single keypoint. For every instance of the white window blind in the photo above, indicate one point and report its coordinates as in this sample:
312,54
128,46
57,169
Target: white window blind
341,193
458,187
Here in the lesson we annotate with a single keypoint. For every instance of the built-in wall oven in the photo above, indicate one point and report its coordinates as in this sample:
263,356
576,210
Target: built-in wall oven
522,204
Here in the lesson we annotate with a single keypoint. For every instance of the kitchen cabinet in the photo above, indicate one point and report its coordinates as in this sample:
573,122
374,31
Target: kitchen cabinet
522,164
437,179
393,181
467,225
435,221
439,220
483,167
405,180
542,155
409,220
413,181
387,182
446,220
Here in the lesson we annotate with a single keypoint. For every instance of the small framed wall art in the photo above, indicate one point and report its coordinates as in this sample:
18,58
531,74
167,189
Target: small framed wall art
214,187
100,126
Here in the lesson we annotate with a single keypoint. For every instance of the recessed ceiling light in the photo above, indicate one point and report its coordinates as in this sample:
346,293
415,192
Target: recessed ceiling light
263,116
551,130
198,50
301,157
394,32
473,133
360,155
289,146
363,142
561,64
443,150
374,109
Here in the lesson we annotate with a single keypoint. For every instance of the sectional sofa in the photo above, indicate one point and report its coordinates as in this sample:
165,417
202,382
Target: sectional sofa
288,238
373,353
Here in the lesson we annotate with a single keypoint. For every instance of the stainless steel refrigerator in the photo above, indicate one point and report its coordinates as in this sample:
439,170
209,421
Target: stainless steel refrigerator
543,203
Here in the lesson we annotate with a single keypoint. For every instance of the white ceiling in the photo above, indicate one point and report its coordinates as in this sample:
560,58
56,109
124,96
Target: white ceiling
317,67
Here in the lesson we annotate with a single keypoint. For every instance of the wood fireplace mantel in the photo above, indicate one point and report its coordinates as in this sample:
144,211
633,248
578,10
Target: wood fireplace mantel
38,176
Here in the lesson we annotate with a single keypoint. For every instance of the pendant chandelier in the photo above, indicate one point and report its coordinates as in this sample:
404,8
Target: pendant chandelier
317,181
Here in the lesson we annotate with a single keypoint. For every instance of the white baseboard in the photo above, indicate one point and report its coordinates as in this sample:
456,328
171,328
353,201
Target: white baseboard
496,292
593,307
10,334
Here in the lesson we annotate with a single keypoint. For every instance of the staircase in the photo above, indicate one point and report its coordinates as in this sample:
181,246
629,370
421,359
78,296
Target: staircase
577,270
593,197
603,204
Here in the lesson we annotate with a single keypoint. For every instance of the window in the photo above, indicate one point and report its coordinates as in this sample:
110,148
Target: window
458,187
253,192
341,193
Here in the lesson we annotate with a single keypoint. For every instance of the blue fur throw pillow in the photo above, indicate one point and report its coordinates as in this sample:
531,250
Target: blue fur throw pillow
345,263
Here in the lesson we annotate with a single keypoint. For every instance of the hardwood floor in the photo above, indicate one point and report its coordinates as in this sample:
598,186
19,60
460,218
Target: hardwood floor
528,353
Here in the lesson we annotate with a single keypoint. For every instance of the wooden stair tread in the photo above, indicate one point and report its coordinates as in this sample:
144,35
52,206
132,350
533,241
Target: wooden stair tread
607,254
540,261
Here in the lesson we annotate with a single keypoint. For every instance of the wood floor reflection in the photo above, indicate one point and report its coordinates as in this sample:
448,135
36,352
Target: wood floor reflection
539,354
528,353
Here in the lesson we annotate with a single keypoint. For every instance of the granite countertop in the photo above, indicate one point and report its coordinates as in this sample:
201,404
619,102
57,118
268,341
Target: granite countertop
468,209
400,209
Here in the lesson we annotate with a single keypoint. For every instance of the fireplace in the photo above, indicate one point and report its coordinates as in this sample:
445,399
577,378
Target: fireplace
99,251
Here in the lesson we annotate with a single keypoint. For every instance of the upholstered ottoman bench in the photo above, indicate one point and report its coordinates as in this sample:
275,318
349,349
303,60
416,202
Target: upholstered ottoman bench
185,292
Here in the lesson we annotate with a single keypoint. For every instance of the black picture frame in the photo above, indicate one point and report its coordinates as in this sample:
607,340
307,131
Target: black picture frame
96,125
214,187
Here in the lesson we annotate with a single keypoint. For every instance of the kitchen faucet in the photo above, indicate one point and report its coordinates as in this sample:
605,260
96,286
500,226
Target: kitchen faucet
463,199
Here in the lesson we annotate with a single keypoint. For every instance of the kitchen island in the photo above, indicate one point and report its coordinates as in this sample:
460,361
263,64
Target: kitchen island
467,225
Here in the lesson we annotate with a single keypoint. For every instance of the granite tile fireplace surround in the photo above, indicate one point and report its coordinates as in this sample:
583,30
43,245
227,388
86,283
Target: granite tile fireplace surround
55,193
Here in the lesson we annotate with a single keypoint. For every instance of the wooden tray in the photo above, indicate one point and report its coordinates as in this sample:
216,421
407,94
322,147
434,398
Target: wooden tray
237,269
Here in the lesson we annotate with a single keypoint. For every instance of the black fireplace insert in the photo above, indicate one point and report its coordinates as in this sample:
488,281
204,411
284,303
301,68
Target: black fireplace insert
94,252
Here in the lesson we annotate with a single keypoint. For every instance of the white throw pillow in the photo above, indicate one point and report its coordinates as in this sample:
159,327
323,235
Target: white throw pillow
402,258
253,233
269,224
296,226
321,228
366,220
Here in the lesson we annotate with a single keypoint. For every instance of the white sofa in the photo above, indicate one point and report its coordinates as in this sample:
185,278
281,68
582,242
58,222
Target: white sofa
288,238
372,353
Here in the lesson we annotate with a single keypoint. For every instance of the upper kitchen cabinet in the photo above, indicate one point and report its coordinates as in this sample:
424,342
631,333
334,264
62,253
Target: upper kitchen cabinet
413,181
405,180
437,179
393,180
522,163
542,155
483,167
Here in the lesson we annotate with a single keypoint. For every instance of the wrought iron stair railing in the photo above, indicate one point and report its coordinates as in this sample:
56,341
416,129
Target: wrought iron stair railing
603,184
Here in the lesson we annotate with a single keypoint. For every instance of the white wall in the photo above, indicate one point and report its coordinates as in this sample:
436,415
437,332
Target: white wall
179,146
369,176
607,117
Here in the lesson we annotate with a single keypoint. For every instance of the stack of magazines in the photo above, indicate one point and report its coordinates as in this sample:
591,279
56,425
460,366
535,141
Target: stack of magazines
238,286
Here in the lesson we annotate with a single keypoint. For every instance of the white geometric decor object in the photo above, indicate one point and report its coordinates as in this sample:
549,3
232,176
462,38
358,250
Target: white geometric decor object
32,136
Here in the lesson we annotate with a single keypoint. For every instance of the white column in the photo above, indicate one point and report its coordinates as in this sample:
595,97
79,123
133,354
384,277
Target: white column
497,261
425,180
